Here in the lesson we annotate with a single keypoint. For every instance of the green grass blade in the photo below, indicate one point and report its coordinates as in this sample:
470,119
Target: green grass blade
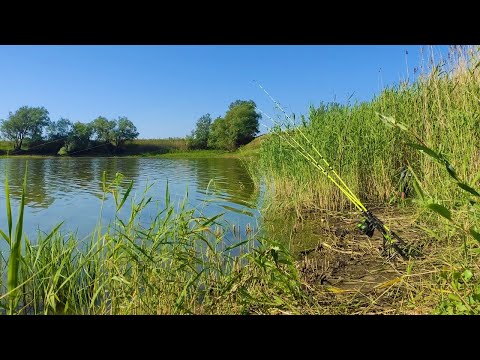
15,250
468,189
212,219
426,150
104,181
125,196
474,234
167,196
7,239
9,210
231,247
451,171
441,210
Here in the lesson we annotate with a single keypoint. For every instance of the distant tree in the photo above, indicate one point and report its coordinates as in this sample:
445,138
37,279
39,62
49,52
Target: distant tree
199,137
57,134
242,120
238,127
123,131
219,136
59,129
189,139
241,102
103,128
79,136
26,123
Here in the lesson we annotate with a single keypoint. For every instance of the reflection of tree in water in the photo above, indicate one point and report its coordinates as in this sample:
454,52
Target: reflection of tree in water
56,178
230,180
129,168
37,194
68,175
50,178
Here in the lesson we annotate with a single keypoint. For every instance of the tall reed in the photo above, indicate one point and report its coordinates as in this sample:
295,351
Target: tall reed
442,104
179,263
440,113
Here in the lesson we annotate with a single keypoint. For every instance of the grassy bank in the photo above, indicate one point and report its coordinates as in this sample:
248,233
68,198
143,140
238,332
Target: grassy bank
250,150
145,147
442,106
180,263
168,148
434,137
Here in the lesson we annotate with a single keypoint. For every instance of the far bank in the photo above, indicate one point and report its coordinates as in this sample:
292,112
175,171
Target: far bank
165,148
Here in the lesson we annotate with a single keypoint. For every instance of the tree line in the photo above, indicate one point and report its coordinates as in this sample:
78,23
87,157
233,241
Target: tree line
33,126
238,127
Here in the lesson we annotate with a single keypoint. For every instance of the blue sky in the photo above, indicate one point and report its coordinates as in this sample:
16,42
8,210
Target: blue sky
165,89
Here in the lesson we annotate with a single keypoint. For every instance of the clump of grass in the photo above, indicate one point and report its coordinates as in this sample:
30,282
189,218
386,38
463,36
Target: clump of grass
155,146
378,164
442,104
459,276
179,263
14,241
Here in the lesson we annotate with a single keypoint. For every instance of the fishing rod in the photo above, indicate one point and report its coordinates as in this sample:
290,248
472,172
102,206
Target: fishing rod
370,221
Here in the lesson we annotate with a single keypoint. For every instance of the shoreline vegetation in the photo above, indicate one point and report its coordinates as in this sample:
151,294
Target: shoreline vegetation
411,155
415,147
152,148
30,131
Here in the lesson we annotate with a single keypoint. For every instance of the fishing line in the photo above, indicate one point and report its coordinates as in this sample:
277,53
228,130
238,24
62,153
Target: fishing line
370,222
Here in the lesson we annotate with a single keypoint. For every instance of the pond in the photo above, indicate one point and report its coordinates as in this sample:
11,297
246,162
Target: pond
70,190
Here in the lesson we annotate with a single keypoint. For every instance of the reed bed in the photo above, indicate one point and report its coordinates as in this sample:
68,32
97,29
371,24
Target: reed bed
179,263
443,107
426,159
156,146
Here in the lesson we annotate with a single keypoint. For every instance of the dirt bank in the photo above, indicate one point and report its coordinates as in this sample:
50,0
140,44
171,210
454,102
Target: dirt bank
348,272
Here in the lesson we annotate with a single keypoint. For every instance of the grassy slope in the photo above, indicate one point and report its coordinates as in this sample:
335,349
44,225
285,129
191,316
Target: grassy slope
177,264
442,107
249,150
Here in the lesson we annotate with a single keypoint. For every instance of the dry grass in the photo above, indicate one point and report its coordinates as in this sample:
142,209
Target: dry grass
345,272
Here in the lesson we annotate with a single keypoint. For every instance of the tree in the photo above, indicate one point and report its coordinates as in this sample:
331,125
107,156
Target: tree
59,129
238,127
199,138
57,134
241,102
103,129
219,137
79,136
242,120
124,130
26,122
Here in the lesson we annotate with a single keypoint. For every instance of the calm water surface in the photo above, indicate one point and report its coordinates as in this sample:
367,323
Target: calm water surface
70,189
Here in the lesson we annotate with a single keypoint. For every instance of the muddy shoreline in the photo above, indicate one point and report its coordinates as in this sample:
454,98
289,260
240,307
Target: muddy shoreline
348,272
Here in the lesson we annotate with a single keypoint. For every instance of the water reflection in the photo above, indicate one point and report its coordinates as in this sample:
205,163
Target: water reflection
228,179
37,195
70,189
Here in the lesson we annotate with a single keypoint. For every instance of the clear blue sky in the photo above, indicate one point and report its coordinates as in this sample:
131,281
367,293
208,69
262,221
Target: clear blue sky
165,89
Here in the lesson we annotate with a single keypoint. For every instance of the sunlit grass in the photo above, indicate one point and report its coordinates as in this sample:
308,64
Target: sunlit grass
442,105
179,263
